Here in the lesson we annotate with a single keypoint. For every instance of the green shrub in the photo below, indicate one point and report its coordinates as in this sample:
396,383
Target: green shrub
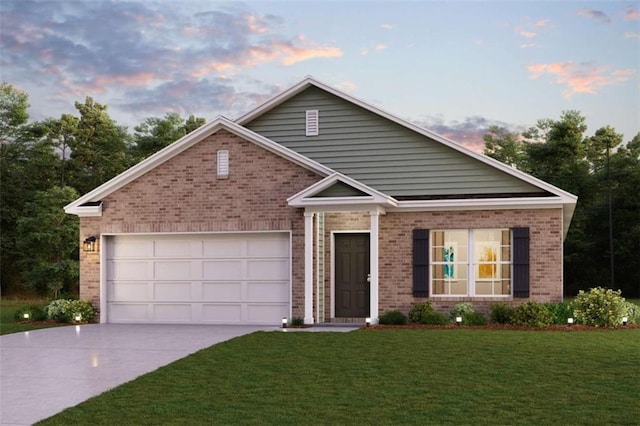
423,313
599,307
36,313
500,313
297,322
632,312
393,318
561,312
468,314
532,314
66,310
434,318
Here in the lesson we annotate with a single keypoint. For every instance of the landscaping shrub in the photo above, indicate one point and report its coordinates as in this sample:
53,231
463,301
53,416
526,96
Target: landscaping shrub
632,312
500,313
36,313
393,318
532,314
599,307
468,314
423,313
297,322
65,310
561,312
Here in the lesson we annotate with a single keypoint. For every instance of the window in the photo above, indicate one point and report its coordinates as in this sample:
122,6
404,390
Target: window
475,262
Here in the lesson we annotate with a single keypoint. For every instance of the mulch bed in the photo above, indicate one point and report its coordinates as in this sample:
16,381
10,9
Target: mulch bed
574,327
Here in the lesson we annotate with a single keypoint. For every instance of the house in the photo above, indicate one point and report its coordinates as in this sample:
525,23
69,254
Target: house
320,206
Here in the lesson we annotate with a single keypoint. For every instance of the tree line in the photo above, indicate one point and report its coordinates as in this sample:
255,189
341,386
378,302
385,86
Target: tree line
47,164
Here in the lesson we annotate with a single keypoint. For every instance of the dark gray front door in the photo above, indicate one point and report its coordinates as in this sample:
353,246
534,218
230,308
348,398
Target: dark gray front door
352,271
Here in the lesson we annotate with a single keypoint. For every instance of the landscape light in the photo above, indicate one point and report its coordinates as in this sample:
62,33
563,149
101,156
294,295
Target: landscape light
367,321
78,317
570,321
26,315
625,320
458,320
284,322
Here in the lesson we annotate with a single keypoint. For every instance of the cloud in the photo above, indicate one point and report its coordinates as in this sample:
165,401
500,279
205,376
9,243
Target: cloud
527,34
631,14
580,78
381,47
468,132
386,26
528,45
631,34
147,49
541,23
595,14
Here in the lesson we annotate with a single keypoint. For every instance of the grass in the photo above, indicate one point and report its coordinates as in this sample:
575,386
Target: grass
8,309
392,376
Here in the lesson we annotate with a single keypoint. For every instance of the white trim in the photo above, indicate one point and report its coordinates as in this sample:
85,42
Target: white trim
181,145
308,268
374,242
312,121
103,278
332,279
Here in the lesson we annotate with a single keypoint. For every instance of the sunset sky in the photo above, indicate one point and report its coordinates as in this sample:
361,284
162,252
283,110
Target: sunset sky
454,67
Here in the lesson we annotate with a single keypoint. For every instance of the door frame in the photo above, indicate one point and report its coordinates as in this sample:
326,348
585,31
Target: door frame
333,264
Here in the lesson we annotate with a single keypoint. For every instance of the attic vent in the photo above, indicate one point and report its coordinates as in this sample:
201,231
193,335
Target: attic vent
223,164
313,128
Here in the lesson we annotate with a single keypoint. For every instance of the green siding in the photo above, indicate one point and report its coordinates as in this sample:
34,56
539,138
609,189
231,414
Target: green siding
340,190
378,152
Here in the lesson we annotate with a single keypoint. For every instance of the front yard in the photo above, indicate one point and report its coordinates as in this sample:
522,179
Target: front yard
393,376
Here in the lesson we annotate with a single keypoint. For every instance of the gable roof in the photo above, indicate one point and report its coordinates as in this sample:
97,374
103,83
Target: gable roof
88,204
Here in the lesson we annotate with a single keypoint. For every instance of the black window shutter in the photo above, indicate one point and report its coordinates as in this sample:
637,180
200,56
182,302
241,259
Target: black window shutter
520,262
420,263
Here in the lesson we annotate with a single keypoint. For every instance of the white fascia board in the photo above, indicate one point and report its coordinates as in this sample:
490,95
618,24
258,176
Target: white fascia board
89,211
310,81
181,145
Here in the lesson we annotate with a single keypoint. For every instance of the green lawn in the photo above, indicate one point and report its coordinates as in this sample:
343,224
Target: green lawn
452,376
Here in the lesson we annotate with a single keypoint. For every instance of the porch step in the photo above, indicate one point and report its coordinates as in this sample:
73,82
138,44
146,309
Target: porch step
341,320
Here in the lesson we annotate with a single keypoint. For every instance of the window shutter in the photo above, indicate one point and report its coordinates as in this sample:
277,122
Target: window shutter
420,263
520,262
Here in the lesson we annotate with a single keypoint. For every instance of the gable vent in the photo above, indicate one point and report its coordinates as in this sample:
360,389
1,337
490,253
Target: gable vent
313,128
223,164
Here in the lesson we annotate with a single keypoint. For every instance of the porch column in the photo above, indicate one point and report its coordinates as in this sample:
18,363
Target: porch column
308,268
373,257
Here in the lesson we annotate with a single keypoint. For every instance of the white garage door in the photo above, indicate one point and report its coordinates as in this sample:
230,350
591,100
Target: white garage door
199,278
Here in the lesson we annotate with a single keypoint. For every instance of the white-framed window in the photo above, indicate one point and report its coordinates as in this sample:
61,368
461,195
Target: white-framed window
470,262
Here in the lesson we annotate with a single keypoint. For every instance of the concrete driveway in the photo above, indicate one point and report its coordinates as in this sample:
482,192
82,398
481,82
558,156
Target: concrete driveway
42,372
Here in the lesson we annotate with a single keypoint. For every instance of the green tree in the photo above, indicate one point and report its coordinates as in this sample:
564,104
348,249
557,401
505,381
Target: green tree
13,111
98,148
156,133
193,123
504,146
47,239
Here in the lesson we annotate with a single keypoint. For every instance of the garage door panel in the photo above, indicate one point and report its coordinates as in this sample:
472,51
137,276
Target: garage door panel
129,312
172,270
175,248
264,313
129,270
222,269
222,313
235,278
275,247
271,269
267,292
223,292
128,248
163,291
224,248
172,312
122,291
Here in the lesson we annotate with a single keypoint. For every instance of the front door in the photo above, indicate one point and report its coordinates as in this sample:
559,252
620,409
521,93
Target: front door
352,275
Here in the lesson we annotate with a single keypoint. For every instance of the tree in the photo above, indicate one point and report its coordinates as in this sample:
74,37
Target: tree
193,123
13,111
99,148
504,146
61,134
47,239
156,133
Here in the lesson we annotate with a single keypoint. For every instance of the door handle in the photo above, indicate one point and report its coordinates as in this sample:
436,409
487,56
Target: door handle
368,278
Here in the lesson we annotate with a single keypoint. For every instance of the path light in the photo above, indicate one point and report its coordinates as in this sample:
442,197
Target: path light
26,315
78,317
284,322
458,320
570,320
625,320
367,321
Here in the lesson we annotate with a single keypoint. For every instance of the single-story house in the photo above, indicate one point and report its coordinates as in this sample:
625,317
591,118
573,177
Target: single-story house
320,206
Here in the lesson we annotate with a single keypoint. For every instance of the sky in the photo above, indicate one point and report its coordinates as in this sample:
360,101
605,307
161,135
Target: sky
454,67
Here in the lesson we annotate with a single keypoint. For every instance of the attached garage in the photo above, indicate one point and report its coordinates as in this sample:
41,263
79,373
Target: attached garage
209,278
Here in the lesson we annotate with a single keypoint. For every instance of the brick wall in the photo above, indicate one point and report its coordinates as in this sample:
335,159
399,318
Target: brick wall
184,195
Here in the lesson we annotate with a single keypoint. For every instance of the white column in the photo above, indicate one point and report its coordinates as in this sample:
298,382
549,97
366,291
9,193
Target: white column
373,257
308,268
